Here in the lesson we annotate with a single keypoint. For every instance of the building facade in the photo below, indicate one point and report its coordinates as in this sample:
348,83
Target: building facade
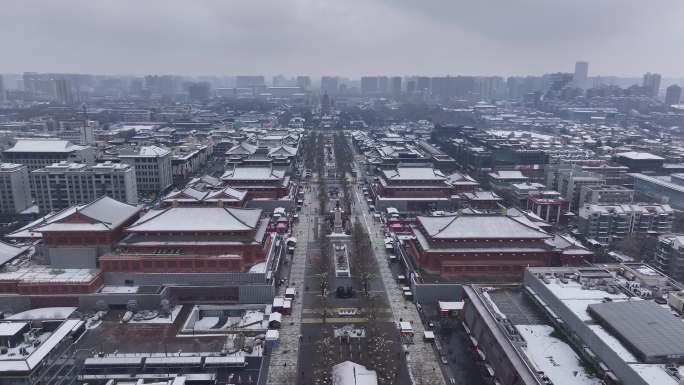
62,185
15,188
153,169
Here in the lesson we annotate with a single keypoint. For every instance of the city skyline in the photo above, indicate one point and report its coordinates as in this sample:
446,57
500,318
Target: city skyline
348,39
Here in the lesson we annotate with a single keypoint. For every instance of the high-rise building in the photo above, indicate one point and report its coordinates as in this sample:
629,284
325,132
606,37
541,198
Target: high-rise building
652,84
395,85
2,90
369,85
329,85
580,78
198,91
423,84
250,81
383,85
64,184
673,94
304,82
65,94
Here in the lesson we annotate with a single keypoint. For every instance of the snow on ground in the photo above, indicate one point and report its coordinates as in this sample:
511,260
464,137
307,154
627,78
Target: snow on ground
45,313
258,268
159,320
553,356
206,323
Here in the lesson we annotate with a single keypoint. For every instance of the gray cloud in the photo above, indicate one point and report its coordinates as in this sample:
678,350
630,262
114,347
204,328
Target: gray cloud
350,37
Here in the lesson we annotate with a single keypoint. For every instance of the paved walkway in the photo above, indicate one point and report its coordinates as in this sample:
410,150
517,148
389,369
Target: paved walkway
283,365
422,360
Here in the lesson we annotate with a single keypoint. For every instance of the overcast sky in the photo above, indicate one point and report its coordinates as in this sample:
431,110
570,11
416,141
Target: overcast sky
342,37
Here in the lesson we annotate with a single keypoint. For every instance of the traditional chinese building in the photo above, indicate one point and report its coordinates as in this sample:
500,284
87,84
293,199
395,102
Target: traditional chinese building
480,246
193,240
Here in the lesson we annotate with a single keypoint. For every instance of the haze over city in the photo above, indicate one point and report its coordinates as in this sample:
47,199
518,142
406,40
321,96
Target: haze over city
349,38
350,192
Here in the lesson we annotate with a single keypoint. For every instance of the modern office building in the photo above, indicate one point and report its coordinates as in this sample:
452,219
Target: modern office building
15,188
64,184
673,95
39,153
153,168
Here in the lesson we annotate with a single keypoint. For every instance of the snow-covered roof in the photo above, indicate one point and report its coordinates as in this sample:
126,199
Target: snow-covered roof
283,150
9,252
102,214
635,155
9,329
44,145
504,174
197,219
414,173
253,173
479,226
243,148
20,363
153,151
554,357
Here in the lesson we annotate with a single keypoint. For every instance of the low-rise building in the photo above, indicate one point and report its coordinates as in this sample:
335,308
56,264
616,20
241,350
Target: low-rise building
548,205
38,153
258,181
480,246
75,237
414,188
35,351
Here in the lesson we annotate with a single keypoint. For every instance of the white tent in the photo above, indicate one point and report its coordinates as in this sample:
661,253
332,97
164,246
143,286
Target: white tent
350,373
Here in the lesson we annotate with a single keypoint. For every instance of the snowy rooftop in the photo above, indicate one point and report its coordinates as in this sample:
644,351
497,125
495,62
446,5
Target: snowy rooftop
639,155
14,361
253,173
44,145
479,226
198,219
414,173
102,214
553,356
9,252
46,274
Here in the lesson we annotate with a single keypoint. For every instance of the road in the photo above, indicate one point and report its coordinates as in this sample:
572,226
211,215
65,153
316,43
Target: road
423,363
